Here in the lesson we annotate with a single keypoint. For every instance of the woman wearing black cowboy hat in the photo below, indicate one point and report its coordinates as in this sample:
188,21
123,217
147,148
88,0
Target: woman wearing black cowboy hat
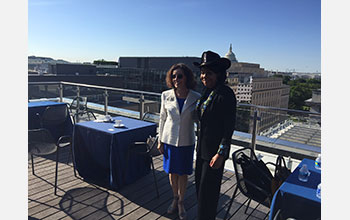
216,110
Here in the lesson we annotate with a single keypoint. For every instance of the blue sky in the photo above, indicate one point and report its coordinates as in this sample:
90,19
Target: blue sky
277,34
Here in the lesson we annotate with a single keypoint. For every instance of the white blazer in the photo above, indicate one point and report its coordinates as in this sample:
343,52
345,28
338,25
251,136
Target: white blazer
174,128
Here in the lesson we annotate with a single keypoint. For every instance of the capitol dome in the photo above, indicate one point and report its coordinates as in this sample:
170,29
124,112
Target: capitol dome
231,56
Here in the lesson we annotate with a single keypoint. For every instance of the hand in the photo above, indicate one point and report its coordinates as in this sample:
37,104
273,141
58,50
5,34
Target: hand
217,161
161,148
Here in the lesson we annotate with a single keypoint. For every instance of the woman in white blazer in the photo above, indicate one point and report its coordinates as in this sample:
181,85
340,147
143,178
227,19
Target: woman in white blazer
176,131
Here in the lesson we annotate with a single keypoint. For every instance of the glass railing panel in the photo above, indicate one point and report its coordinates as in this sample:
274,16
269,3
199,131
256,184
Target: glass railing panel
123,103
40,91
243,118
151,108
297,127
281,129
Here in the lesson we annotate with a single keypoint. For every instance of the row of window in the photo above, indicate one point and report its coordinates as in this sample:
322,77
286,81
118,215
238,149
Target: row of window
267,94
266,85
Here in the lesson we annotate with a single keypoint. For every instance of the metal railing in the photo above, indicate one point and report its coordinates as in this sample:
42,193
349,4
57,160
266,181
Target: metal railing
104,88
266,121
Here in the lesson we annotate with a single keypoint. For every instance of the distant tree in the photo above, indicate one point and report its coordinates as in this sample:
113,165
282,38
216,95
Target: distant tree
104,62
298,94
301,90
286,79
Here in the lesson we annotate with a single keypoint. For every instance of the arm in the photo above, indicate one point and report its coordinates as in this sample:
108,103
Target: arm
229,110
228,105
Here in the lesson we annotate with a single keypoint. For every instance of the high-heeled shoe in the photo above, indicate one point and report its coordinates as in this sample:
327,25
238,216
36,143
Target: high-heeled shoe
182,210
173,206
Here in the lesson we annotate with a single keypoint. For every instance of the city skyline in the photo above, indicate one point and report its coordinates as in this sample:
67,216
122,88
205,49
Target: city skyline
278,35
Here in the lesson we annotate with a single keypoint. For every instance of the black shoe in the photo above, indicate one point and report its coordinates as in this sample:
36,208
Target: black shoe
173,206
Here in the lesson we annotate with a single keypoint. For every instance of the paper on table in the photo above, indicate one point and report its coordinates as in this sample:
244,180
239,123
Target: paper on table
98,120
119,125
106,118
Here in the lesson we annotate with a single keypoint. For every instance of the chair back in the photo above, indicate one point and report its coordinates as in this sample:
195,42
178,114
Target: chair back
238,169
253,177
54,115
40,135
41,142
78,116
145,116
82,103
152,143
150,116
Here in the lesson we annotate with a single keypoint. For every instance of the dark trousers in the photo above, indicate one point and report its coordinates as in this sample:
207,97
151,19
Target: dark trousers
208,183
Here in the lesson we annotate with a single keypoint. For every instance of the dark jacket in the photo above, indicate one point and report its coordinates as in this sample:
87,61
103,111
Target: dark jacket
217,123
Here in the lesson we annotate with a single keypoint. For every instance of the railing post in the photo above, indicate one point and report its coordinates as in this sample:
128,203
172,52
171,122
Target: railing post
142,105
106,102
61,91
46,90
255,124
77,111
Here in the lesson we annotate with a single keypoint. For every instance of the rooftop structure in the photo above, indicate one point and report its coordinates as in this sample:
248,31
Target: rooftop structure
315,101
72,69
157,63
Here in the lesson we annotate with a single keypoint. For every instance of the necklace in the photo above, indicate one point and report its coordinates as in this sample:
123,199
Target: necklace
205,103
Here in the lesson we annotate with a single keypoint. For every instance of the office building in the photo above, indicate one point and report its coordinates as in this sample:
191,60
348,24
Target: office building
252,85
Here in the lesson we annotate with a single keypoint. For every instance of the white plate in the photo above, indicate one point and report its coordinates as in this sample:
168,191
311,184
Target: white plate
103,120
119,126
98,120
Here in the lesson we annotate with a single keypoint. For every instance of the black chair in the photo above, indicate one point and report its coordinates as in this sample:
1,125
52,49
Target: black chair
78,108
279,216
56,116
253,178
41,143
53,117
149,150
78,115
78,103
147,116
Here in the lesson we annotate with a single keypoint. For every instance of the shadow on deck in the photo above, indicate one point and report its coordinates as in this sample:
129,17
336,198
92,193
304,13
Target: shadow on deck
78,199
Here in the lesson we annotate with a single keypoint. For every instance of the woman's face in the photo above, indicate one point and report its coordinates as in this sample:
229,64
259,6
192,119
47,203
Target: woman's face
179,79
208,77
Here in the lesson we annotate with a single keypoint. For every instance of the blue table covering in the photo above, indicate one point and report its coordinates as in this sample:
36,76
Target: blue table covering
34,121
100,151
297,199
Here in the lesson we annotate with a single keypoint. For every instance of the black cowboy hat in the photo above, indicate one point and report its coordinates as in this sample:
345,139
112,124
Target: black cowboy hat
213,61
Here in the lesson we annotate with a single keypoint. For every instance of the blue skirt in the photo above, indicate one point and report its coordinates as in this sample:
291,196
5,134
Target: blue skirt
178,160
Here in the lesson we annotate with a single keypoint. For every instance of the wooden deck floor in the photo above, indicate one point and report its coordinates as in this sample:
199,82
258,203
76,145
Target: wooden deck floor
78,199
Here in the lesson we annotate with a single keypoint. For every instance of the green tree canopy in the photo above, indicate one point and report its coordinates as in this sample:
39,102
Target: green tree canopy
301,90
104,62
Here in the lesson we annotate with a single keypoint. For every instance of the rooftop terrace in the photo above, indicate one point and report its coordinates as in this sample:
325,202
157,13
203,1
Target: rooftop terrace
82,200
78,199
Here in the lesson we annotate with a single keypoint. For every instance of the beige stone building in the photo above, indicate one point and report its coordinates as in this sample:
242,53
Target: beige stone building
252,85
